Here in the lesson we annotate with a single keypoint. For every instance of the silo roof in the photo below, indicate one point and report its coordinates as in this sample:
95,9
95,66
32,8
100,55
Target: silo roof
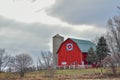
57,35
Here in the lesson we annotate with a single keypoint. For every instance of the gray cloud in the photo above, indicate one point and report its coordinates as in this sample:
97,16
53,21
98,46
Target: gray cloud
33,38
84,11
26,36
17,37
21,35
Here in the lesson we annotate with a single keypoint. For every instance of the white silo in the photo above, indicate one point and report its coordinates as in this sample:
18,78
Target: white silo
57,40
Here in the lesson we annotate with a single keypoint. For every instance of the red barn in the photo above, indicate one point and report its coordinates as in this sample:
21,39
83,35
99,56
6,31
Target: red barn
73,52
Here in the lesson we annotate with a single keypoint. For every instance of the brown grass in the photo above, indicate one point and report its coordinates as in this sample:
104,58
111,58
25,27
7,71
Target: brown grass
68,74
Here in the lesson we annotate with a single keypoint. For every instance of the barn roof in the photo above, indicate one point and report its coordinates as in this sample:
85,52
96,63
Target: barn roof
84,45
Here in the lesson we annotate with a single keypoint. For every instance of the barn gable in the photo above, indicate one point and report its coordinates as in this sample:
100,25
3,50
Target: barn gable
84,45
69,53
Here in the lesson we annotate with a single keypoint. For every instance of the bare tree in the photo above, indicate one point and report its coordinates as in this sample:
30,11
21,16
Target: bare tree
113,37
45,59
109,61
95,40
20,62
4,59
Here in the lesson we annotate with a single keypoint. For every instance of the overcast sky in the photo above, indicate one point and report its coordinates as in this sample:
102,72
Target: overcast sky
27,26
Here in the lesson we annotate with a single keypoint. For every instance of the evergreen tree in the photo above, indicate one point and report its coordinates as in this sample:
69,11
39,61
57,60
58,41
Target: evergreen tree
92,57
102,48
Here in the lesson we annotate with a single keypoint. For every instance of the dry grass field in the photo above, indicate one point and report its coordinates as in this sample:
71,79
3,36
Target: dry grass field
68,74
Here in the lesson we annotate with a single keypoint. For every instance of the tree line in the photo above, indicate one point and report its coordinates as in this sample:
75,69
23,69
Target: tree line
23,62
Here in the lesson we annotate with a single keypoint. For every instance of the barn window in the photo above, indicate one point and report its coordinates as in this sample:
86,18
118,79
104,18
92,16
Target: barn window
64,63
